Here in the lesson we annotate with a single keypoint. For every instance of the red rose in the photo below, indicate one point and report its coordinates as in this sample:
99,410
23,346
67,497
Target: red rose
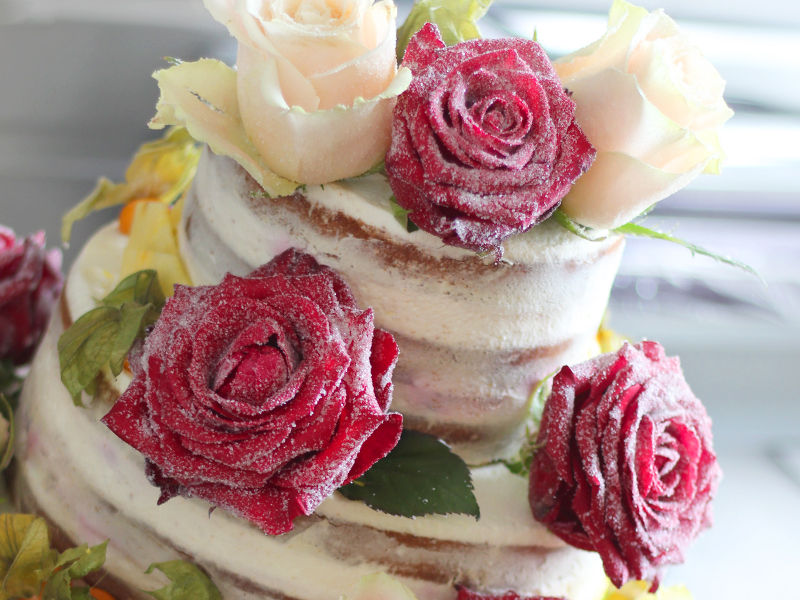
626,466
30,282
465,594
261,395
484,141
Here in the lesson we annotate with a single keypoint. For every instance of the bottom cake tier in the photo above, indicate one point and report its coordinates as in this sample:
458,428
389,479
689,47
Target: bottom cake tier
90,486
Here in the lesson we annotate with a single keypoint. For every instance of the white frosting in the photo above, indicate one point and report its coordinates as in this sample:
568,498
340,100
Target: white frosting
93,486
561,294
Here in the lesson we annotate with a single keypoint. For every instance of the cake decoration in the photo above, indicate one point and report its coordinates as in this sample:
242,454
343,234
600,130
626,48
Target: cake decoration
420,476
625,465
484,142
161,170
102,337
652,105
321,71
30,282
261,395
266,389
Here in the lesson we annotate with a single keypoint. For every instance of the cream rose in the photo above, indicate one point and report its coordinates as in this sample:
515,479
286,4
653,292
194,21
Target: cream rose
316,82
651,105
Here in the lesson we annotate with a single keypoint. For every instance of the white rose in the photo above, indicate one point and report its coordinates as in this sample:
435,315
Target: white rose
651,105
316,82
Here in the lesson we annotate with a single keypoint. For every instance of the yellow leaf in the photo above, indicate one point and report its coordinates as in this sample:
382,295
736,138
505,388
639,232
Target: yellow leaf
25,554
162,169
153,244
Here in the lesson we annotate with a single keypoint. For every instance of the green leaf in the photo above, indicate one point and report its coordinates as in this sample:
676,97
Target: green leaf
188,582
379,168
105,335
594,235
141,287
521,464
457,21
10,382
401,214
80,593
133,322
587,233
421,476
75,563
86,347
24,555
8,414
641,231
91,559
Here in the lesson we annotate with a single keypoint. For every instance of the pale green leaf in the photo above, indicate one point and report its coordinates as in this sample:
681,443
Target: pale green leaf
90,560
86,347
188,582
587,233
24,554
134,318
8,414
641,231
141,287
457,21
203,97
401,215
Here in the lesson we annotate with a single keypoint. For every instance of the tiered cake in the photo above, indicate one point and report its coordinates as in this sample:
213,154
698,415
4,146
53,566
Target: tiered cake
466,261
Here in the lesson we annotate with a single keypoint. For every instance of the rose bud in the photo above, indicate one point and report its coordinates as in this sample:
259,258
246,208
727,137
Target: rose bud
625,466
30,282
261,395
484,141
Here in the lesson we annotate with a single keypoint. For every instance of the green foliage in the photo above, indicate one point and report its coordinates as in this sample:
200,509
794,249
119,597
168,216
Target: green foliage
457,21
421,476
75,563
7,451
401,214
188,582
104,336
636,229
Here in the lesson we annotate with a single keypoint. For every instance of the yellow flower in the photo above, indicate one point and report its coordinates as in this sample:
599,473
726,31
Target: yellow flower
637,590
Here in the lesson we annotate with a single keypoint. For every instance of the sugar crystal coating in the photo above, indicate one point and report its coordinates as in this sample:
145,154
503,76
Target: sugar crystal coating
626,465
261,395
484,141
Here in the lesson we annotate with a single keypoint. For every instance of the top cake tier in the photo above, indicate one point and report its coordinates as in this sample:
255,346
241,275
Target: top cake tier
475,337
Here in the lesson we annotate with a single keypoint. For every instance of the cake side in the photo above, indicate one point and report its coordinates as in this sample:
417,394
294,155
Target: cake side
475,337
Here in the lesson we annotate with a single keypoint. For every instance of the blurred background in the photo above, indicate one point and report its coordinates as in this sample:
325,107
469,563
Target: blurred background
76,95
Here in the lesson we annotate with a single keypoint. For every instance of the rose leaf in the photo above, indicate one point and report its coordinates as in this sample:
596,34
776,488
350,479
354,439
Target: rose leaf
104,336
641,231
421,476
189,582
141,287
457,21
401,215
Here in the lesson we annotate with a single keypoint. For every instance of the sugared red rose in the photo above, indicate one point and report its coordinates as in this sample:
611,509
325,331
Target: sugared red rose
261,395
484,141
30,281
626,466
